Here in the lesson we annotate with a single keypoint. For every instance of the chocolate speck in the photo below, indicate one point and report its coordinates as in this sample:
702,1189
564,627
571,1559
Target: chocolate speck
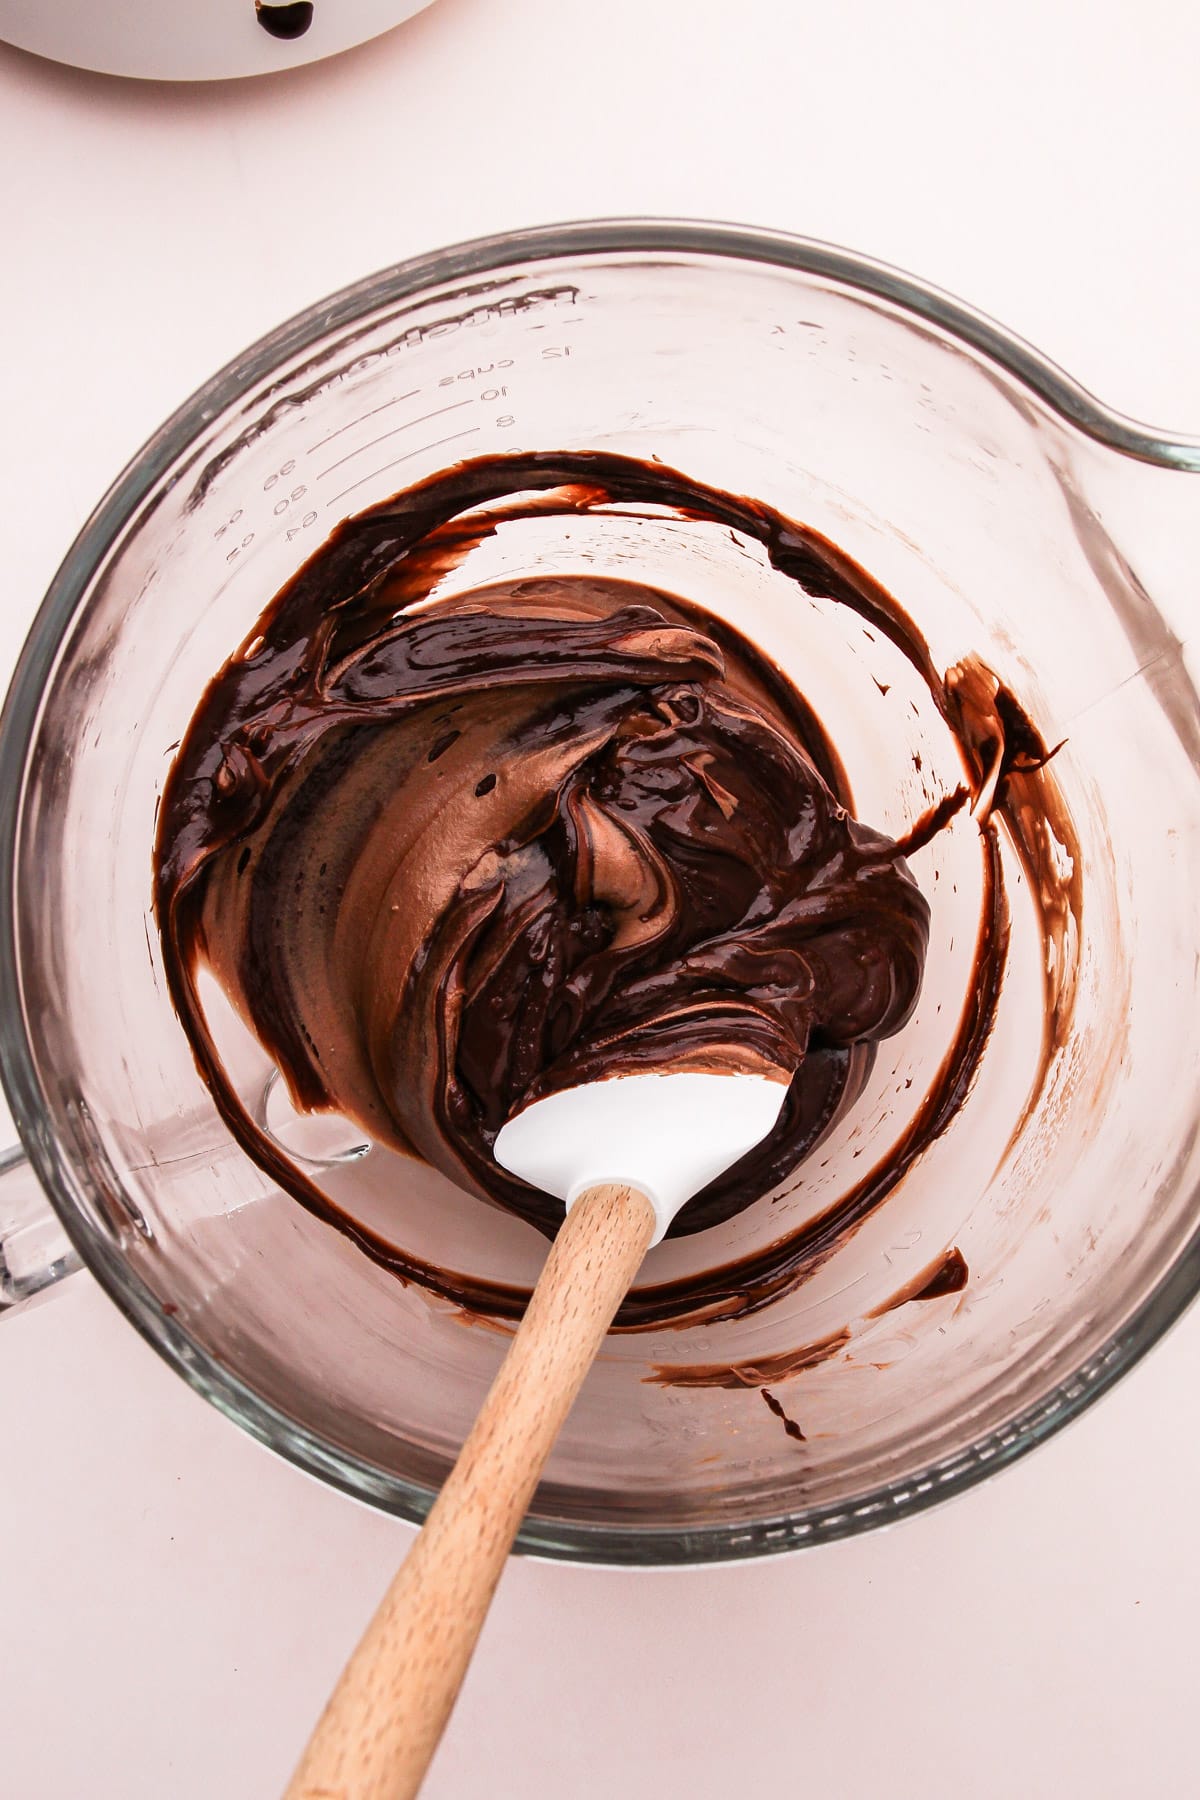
288,21
442,744
947,1275
789,1425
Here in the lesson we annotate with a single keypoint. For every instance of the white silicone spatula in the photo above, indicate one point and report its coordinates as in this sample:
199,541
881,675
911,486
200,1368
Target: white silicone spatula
625,1155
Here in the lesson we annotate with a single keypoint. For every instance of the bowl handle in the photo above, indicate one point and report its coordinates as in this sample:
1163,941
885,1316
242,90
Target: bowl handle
35,1251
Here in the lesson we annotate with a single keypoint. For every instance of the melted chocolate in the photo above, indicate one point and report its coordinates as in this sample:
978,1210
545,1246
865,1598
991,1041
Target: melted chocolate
449,859
445,856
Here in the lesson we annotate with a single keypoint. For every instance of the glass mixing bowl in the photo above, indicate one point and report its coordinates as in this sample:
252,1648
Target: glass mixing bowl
1013,517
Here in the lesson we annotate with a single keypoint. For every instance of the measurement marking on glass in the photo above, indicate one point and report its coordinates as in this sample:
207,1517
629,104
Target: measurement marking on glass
369,414
408,423
436,445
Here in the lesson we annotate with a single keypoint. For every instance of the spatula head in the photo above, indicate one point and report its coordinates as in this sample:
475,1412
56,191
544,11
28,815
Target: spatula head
668,1135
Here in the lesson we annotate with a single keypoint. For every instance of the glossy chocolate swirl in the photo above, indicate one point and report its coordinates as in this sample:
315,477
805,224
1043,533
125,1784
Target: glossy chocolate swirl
345,694
445,856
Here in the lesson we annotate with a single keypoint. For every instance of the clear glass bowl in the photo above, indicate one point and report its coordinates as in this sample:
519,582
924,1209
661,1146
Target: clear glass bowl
1013,516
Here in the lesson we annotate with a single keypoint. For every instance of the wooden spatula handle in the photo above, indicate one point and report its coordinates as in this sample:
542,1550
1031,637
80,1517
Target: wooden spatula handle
381,1727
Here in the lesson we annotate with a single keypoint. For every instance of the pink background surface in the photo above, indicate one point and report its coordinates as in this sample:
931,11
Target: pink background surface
176,1602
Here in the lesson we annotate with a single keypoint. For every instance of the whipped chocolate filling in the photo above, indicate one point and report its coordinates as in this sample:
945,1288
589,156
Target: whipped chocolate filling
445,854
